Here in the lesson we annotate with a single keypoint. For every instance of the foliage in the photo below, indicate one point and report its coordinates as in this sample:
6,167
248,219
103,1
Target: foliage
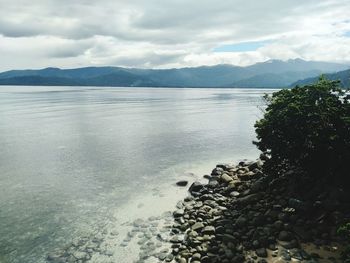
308,127
344,231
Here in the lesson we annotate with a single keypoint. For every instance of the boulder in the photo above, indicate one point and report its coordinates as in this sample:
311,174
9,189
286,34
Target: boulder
223,166
285,236
182,183
178,213
210,230
296,204
225,178
250,198
196,187
241,221
258,185
217,171
197,226
255,165
213,183
261,252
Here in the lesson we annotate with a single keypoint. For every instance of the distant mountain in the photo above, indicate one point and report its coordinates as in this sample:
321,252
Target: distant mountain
104,76
343,76
295,65
271,73
274,80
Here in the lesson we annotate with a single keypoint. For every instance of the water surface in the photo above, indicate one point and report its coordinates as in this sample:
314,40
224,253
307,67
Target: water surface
71,157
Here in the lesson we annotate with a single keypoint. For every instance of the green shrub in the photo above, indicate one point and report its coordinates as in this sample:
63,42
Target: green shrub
344,231
308,127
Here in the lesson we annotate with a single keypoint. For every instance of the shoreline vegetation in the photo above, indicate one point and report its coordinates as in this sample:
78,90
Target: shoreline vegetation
291,205
292,199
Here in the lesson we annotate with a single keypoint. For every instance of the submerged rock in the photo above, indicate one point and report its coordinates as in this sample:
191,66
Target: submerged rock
182,183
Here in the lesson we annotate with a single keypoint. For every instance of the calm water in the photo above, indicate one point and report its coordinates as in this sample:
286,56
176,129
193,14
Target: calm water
71,157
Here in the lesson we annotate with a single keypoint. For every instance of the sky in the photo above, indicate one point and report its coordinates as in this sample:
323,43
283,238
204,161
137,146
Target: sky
170,33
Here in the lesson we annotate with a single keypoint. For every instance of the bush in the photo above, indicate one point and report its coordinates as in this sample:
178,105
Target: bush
344,231
308,127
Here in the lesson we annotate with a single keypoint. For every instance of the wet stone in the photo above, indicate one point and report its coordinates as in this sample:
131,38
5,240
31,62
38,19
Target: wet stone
261,252
197,226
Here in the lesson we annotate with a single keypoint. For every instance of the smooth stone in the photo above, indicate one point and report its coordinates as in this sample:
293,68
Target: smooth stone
195,187
196,256
208,230
250,198
175,239
226,178
285,236
206,259
197,226
217,171
179,213
241,221
261,252
234,194
182,183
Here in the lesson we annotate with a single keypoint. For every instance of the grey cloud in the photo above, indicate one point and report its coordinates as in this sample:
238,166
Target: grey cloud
155,26
67,51
145,60
158,21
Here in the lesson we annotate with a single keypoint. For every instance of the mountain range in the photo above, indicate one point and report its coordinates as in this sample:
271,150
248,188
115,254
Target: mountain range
268,74
343,76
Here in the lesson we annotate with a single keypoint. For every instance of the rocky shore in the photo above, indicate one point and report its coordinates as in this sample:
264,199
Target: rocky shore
239,214
243,215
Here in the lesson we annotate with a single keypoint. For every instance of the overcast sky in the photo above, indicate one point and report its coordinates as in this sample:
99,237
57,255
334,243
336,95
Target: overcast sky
170,33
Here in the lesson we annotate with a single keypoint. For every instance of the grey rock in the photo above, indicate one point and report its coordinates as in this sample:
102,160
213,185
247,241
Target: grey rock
206,259
197,226
178,213
182,183
175,239
250,198
258,185
255,165
225,178
234,194
261,252
213,183
297,204
217,171
241,221
195,187
196,256
285,236
208,230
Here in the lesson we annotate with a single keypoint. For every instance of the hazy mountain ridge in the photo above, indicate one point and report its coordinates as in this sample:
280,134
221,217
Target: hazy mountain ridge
272,73
343,76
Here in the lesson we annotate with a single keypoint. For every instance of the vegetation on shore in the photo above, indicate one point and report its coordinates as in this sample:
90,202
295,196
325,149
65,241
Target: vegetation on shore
295,195
308,127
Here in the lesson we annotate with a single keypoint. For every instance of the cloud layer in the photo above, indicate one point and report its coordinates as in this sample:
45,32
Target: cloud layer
169,33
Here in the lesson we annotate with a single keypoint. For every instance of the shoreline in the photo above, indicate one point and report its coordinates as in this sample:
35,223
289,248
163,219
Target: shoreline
239,217
227,216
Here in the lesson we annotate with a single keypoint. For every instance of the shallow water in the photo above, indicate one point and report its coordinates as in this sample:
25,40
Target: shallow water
72,158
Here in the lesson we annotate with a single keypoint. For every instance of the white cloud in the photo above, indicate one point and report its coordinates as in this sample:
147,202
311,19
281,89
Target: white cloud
171,33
